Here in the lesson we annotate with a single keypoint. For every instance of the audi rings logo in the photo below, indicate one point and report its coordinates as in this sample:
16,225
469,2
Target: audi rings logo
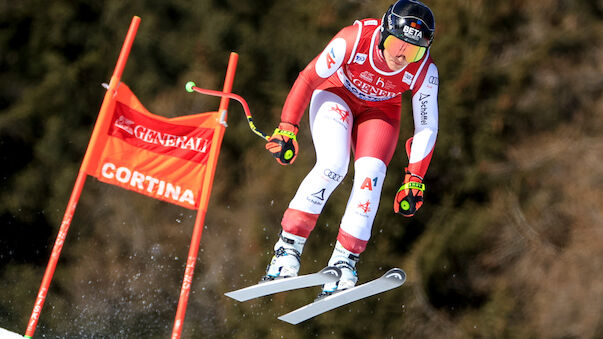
434,80
332,175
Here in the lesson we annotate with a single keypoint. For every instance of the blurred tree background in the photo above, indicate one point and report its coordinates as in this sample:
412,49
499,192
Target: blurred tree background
509,243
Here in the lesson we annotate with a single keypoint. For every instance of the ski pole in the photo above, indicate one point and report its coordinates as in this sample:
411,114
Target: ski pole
191,87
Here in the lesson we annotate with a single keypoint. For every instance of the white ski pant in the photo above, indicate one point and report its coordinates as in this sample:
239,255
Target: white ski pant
331,124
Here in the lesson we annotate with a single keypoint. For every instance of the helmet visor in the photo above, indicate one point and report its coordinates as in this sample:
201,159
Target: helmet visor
410,29
397,48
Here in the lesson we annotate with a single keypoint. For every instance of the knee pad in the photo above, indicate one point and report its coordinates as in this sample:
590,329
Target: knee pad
369,174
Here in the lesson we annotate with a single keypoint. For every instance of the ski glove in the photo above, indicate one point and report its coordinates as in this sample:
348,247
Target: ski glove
283,143
410,195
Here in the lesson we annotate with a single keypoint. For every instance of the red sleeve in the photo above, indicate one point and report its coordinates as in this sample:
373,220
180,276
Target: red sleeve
300,94
333,56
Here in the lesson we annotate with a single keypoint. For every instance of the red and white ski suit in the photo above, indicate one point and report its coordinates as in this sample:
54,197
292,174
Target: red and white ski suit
355,103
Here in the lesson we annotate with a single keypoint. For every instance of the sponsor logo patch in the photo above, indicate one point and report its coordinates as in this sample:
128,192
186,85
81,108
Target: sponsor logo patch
365,207
423,99
331,58
343,114
407,79
317,198
360,58
367,76
332,175
412,33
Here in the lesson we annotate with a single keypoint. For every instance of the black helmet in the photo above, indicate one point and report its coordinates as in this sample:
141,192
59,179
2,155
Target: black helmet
410,21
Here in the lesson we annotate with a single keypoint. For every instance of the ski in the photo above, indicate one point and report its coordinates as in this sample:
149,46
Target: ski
390,280
327,274
6,334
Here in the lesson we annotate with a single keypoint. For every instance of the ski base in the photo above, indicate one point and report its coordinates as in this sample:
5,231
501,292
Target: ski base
326,275
390,280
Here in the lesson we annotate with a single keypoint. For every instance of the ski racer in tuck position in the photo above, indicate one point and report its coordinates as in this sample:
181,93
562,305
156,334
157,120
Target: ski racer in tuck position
354,91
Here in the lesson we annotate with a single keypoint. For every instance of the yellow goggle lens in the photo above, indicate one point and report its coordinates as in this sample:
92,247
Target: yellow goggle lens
397,48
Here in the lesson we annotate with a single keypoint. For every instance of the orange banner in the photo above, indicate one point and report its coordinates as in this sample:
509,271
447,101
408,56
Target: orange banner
159,157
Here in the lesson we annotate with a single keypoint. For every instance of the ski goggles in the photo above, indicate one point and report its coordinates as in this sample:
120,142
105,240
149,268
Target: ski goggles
397,48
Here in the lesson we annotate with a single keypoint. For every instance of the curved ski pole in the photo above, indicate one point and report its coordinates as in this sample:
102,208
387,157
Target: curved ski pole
191,87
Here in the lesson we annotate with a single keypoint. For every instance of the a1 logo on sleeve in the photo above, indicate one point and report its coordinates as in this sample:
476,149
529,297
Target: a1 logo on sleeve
331,58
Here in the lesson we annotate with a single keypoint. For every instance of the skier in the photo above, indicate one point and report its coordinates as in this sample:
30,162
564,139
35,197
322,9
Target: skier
354,91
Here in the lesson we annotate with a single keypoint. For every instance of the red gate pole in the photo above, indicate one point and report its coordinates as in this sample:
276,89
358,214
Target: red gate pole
207,185
81,179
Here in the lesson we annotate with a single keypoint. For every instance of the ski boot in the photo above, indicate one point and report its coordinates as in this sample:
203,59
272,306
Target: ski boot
346,262
286,260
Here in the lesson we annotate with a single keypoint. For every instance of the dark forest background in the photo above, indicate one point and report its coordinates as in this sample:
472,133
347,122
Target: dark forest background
509,243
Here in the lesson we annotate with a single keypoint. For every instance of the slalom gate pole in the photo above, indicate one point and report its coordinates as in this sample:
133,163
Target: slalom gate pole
205,193
81,178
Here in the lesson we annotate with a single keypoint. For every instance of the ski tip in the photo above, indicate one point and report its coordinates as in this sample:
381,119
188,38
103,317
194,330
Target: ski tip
10,335
396,274
289,319
331,272
236,295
